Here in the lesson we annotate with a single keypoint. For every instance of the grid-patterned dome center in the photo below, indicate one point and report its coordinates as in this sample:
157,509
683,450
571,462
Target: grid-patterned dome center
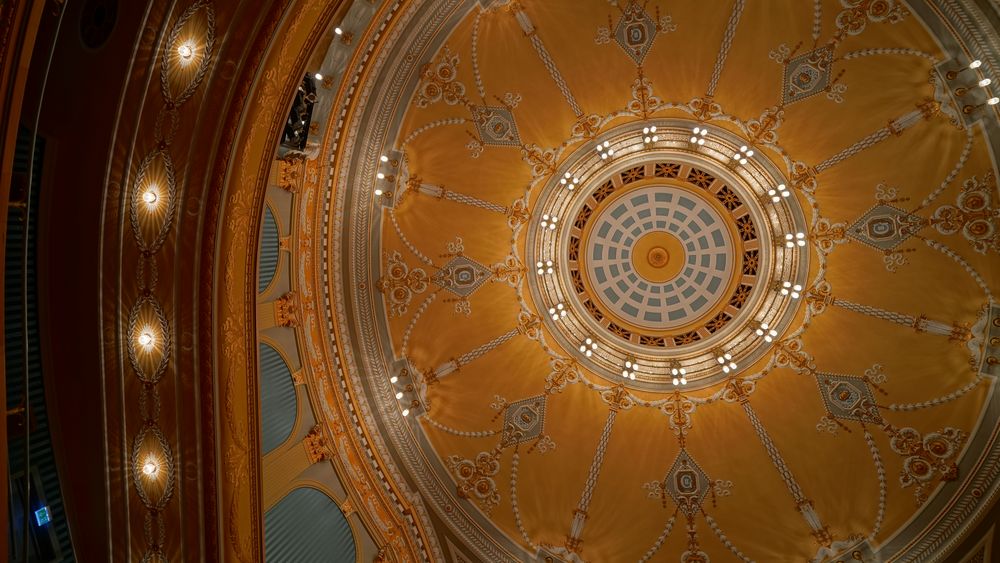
659,257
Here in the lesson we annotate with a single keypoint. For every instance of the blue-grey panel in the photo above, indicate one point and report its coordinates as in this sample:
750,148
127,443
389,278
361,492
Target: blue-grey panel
306,527
269,251
277,399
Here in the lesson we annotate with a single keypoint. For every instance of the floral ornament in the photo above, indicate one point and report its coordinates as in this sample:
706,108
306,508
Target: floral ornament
618,398
643,101
400,283
542,161
587,126
857,13
827,235
564,372
510,271
803,177
705,108
972,214
764,128
738,390
780,54
475,146
475,477
544,444
722,488
518,213
835,93
790,354
529,325
928,459
437,82
827,424
819,297
678,410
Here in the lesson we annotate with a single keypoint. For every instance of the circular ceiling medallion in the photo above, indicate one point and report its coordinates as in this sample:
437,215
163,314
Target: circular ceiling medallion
672,254
628,257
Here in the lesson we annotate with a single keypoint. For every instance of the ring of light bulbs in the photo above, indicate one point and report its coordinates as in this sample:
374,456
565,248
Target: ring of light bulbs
762,187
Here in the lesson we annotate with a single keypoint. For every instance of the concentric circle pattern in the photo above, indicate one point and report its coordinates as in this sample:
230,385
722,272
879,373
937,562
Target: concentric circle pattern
620,280
707,262
671,257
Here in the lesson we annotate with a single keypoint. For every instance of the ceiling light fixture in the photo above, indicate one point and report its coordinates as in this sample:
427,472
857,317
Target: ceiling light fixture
588,346
150,468
406,412
788,289
798,239
726,360
649,135
557,312
778,193
399,395
549,221
150,197
678,374
185,51
630,367
338,31
698,135
743,155
318,76
605,150
569,180
146,339
953,74
985,82
544,267
767,332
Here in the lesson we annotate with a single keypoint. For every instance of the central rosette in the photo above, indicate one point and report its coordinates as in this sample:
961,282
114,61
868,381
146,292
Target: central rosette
659,257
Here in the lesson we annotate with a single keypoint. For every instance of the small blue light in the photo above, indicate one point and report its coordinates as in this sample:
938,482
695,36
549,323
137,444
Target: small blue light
43,516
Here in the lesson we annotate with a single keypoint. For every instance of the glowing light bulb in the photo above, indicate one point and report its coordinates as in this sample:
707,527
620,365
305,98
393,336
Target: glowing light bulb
975,64
150,468
406,412
185,51
318,76
384,158
380,176
378,191
399,395
993,101
150,197
146,339
393,379
338,31
985,82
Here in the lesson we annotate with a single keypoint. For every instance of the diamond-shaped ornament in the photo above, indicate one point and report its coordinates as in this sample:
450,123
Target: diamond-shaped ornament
462,276
807,74
848,397
523,421
884,227
687,484
496,126
635,32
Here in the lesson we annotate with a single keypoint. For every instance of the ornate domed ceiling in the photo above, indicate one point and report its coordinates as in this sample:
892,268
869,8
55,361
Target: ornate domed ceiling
690,281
